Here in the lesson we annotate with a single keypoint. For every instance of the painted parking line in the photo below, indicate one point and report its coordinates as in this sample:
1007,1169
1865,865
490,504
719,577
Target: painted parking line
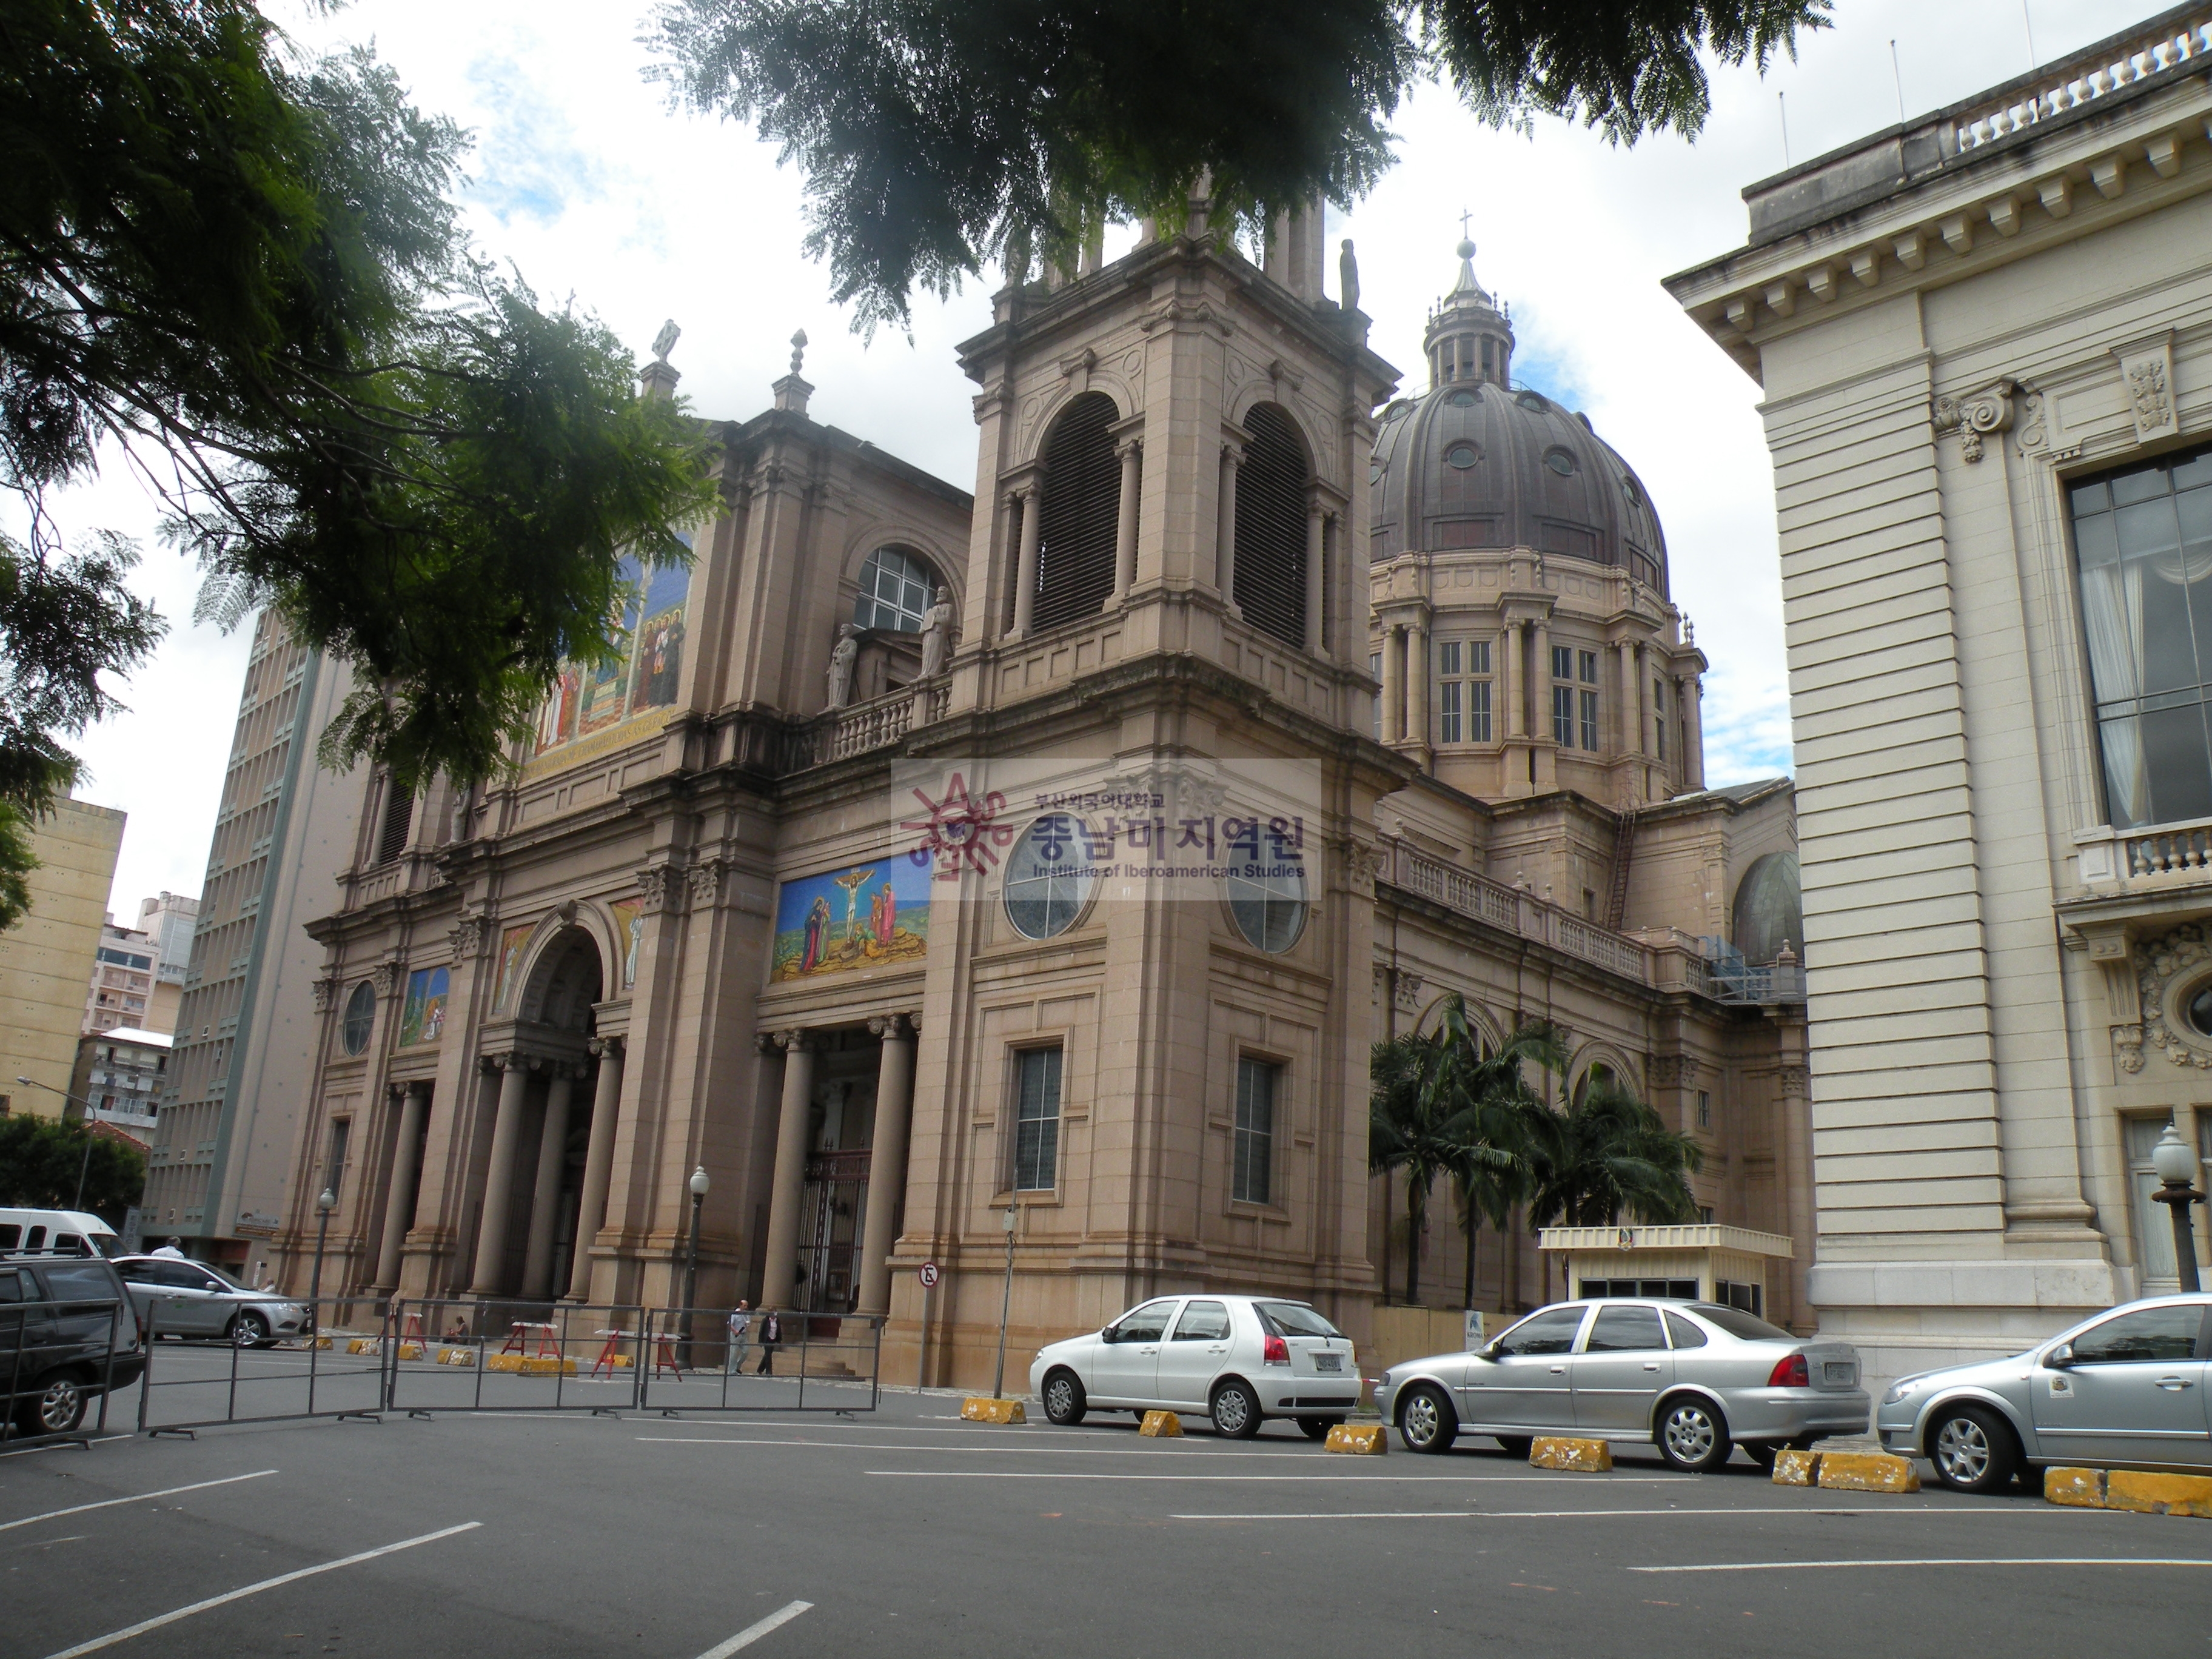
136,1497
752,1633
1227,1453
244,1590
1301,1480
1949,1561
1572,1514
60,1445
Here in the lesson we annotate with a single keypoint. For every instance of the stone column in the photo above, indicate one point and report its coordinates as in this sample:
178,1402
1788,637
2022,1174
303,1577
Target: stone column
1649,705
1510,676
1025,566
1224,543
1693,694
546,1202
1540,676
1394,686
1624,719
599,1165
399,1197
886,1161
1417,683
499,1179
1316,580
789,1191
1125,526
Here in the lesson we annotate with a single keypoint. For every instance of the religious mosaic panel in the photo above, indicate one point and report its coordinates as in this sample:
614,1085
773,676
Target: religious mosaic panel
630,934
864,915
422,1016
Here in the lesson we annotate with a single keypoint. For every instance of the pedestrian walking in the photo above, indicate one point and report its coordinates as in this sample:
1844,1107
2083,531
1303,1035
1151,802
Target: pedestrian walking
771,1334
741,1327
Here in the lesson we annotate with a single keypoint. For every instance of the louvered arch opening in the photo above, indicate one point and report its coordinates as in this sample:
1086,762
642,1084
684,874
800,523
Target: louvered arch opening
1082,503
398,819
1271,526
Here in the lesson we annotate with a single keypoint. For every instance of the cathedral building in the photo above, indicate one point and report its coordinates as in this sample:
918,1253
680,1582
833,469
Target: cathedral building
1060,851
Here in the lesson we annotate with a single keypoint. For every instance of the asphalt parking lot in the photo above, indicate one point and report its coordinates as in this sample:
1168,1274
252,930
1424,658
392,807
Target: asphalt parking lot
910,1534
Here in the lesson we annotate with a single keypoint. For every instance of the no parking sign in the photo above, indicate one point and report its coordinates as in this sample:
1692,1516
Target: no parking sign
929,1275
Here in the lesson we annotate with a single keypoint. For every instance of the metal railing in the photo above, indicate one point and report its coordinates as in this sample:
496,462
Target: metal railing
31,1364
1515,909
2081,79
336,1370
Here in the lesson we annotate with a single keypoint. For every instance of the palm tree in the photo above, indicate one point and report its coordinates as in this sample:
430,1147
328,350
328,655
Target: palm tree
1498,1170
1606,1156
1441,1107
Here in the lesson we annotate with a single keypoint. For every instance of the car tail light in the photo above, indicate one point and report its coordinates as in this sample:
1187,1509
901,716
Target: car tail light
1791,1373
1273,1351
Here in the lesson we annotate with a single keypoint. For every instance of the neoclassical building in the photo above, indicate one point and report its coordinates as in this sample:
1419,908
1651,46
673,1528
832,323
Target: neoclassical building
1066,847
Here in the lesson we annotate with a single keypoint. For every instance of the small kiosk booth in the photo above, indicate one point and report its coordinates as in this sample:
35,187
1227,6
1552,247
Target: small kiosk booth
1727,1265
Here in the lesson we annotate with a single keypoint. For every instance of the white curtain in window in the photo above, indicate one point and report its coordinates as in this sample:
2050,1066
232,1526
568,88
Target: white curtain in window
2111,612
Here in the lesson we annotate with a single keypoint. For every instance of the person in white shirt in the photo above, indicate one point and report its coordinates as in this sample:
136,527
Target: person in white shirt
741,1325
168,1249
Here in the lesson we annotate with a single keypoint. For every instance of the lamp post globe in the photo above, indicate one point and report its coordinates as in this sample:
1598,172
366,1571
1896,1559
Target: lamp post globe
698,1184
325,1201
2176,1163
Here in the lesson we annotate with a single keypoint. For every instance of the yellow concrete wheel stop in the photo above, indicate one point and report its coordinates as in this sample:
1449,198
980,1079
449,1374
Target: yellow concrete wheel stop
1363,1439
1796,1468
2159,1494
977,1409
2080,1489
1160,1426
1867,1472
1576,1456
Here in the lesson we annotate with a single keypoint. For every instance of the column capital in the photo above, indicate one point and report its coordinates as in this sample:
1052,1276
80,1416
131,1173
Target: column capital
606,1045
1129,447
885,1026
796,1040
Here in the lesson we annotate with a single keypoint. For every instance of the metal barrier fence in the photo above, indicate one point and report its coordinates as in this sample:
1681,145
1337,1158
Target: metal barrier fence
60,1353
336,1369
624,1358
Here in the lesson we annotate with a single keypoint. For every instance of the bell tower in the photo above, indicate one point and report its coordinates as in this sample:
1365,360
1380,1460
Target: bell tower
1147,1016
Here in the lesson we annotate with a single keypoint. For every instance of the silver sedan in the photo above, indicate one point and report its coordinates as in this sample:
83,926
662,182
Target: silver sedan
2126,1389
175,1297
1694,1378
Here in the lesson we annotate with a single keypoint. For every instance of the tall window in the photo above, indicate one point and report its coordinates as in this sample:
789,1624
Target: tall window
1659,716
1077,523
1586,671
1252,1179
1036,1120
1463,691
1375,673
1563,695
2142,539
341,1130
397,819
896,587
1271,526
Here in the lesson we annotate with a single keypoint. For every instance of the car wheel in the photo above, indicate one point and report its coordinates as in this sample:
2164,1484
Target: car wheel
1426,1421
249,1330
1063,1399
1318,1428
1763,1453
1514,1445
1236,1411
57,1407
1693,1436
1971,1447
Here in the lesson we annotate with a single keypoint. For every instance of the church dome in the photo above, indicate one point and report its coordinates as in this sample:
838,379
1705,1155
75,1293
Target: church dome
1478,462
1770,908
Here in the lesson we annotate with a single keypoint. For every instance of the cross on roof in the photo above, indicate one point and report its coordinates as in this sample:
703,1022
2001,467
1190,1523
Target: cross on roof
1463,217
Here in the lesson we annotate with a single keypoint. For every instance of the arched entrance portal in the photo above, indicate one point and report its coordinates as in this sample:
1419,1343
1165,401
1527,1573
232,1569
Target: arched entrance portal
533,1189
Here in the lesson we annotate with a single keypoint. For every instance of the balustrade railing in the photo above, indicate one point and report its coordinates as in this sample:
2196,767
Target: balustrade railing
2083,79
879,721
1517,911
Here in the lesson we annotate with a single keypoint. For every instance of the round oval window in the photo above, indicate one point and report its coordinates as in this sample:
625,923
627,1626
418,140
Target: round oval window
360,1016
2199,1010
1561,462
1462,456
1267,894
1463,400
1374,474
1048,877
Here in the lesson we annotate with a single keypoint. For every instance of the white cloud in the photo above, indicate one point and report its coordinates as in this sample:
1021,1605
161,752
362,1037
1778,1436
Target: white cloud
585,180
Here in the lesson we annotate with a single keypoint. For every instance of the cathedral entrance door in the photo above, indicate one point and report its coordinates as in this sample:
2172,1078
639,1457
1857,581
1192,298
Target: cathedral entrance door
830,1231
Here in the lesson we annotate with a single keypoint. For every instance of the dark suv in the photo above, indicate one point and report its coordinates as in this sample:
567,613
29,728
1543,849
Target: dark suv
67,1332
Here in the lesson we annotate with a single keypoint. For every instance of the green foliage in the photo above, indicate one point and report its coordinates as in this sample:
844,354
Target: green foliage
40,1158
934,134
243,269
16,864
1607,1156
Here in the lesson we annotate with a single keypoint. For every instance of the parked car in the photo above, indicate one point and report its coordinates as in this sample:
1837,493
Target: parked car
67,1332
60,1232
1694,1378
1241,1360
2126,1389
189,1298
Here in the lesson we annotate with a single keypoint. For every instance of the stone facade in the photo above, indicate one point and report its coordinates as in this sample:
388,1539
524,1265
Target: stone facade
1963,328
46,958
547,1003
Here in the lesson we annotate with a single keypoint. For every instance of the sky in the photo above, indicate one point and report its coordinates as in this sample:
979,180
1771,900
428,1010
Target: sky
585,181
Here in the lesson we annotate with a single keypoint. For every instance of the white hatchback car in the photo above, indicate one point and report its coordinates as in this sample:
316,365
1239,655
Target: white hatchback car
1241,1360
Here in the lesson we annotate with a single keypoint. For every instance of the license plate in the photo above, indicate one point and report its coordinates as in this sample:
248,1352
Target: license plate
1840,1371
1328,1362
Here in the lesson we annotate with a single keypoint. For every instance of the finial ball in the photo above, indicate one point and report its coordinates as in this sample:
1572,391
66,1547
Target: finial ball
1466,248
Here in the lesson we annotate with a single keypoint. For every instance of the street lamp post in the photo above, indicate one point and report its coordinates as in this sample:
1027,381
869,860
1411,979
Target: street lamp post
691,1257
2177,1170
1006,1306
325,1203
85,1164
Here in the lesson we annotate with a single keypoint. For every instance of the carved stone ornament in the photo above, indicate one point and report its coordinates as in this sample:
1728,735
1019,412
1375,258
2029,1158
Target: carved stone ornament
2147,379
1409,990
2034,432
1973,417
2171,963
1674,1071
326,992
467,935
706,882
385,975
1362,865
1796,1081
657,885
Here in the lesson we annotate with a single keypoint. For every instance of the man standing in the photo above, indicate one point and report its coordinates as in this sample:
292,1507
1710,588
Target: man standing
741,1325
169,1250
771,1333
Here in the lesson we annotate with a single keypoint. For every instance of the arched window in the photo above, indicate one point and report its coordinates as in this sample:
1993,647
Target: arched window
895,585
1082,505
1271,526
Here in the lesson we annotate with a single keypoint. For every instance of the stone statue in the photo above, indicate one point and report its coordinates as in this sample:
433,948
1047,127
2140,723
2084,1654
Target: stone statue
798,350
1347,276
936,635
841,657
664,342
